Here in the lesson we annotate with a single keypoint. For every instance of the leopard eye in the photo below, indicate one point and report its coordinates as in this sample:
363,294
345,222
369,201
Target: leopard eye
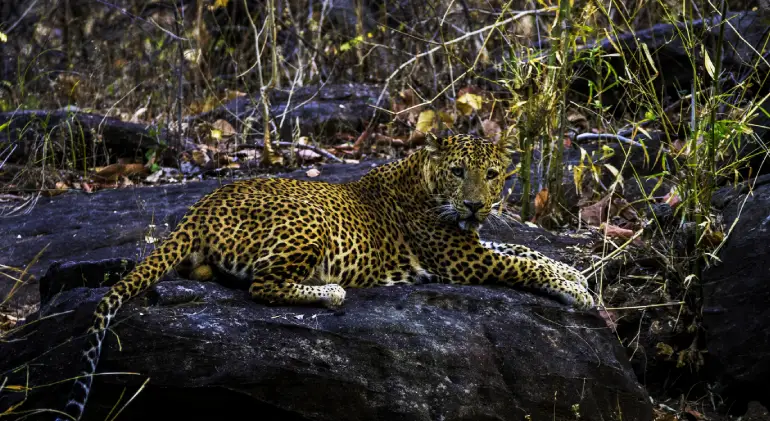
492,174
457,172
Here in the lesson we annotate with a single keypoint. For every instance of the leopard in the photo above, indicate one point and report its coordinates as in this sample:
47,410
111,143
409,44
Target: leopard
303,242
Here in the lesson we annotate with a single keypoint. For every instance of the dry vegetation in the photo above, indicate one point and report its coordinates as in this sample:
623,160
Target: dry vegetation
531,70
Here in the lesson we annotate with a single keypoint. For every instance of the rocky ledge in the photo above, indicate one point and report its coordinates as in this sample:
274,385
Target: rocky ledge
425,352
206,351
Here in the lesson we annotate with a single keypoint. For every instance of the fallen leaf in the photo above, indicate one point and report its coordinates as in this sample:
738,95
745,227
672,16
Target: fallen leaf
135,117
61,187
613,231
308,155
425,121
697,415
361,139
113,172
193,55
578,120
200,157
491,129
380,139
468,103
408,97
541,200
609,320
225,129
605,208
447,117
249,154
672,199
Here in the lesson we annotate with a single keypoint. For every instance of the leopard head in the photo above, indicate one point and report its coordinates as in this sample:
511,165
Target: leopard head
465,177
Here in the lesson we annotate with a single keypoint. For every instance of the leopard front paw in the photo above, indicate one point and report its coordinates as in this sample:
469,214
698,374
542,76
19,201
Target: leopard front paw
584,300
574,294
332,295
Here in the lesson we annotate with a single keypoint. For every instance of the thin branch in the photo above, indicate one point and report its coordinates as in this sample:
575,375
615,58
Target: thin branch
132,16
610,136
443,45
315,149
8,31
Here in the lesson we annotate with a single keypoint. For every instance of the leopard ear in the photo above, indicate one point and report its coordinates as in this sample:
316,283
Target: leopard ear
506,146
433,143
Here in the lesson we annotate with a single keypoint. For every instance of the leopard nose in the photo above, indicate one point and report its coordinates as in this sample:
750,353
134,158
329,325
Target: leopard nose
472,206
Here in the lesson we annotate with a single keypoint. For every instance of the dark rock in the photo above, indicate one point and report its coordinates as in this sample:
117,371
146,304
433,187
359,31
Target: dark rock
63,276
426,352
736,314
319,109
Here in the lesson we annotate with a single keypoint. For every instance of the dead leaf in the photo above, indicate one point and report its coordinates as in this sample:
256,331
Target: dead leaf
448,118
200,157
609,319
313,172
135,117
408,97
307,154
222,129
541,200
113,172
491,129
661,415
249,154
425,121
613,231
598,212
697,415
672,199
595,214
469,102
361,139
578,121
61,187
231,94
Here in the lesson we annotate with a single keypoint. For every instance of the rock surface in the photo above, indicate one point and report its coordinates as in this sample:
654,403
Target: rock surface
736,314
317,109
426,352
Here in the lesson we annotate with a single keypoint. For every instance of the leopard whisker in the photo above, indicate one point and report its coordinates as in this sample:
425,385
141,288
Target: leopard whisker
496,220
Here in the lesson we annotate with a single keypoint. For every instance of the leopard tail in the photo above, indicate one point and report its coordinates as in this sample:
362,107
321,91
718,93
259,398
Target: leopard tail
167,256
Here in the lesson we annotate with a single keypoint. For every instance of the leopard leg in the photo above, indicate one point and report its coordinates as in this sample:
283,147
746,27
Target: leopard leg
290,277
280,290
270,246
518,250
477,264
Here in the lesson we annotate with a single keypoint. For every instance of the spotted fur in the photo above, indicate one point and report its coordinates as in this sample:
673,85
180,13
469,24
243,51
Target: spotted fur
303,242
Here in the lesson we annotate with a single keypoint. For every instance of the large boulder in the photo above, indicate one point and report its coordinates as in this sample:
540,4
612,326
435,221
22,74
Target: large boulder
736,314
425,352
